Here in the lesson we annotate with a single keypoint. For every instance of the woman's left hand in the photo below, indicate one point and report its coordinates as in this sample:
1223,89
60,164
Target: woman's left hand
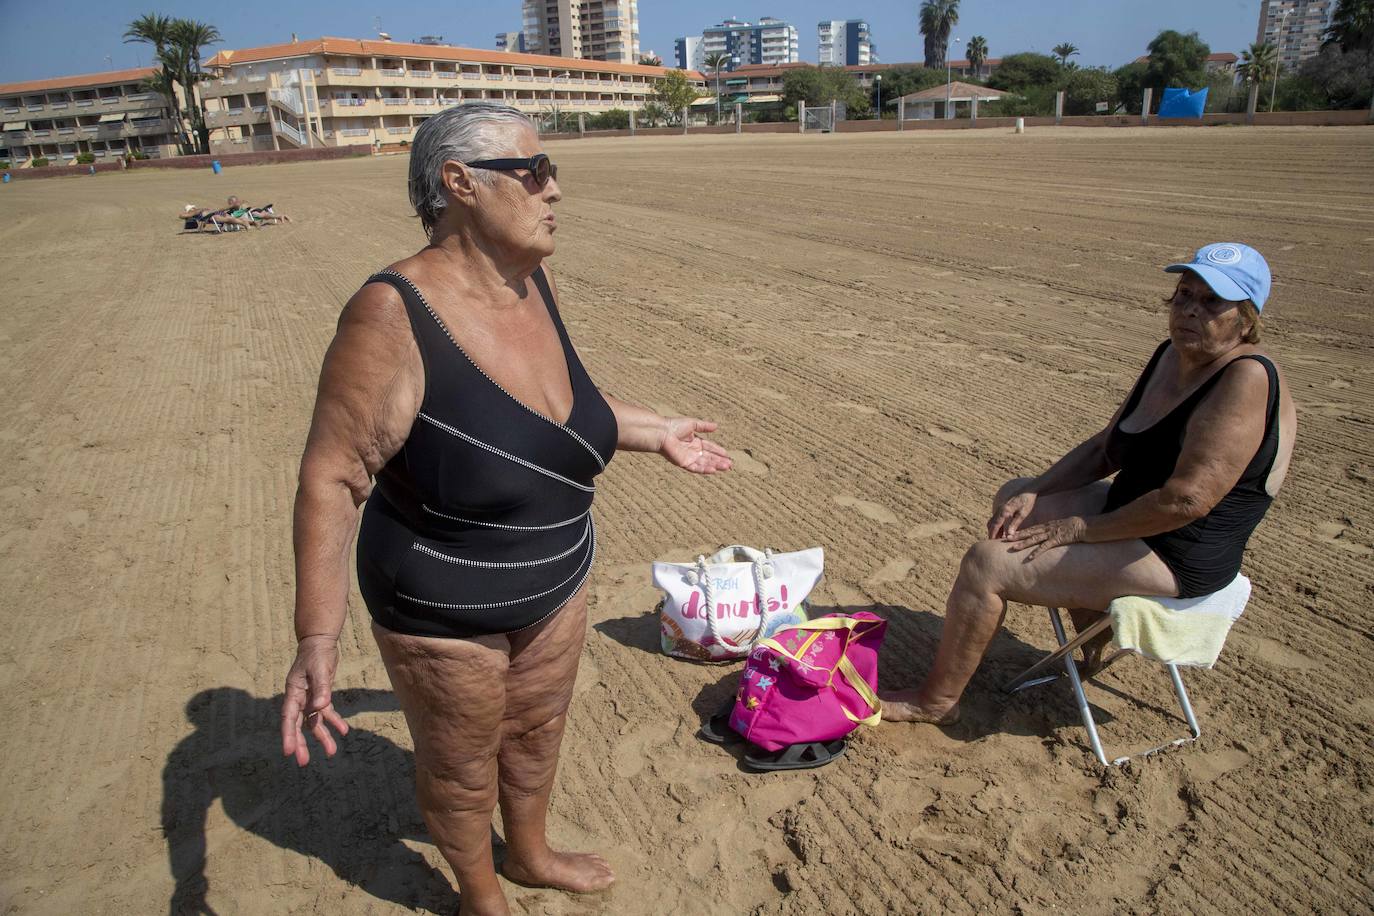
1054,533
684,446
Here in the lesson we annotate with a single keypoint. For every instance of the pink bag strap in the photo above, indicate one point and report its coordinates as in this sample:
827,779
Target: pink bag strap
845,667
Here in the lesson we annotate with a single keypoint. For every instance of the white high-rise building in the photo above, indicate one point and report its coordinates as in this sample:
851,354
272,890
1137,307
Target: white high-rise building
771,42
588,29
845,43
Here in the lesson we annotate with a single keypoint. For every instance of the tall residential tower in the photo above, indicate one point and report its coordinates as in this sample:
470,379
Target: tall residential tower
1296,27
845,43
771,42
588,29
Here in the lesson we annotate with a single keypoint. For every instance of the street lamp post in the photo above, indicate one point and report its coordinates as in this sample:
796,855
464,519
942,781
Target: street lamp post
949,70
553,97
1278,57
878,91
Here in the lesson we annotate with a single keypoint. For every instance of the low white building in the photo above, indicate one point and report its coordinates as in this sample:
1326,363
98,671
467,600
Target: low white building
944,101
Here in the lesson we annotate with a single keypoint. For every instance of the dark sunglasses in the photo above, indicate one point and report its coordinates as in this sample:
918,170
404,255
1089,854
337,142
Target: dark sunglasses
538,165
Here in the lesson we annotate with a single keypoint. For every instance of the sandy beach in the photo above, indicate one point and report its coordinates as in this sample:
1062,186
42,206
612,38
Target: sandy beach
886,327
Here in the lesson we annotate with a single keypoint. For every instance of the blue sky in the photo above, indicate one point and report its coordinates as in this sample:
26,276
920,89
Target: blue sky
77,36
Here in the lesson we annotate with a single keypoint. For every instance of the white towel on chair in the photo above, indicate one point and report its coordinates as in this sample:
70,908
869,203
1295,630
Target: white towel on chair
1179,631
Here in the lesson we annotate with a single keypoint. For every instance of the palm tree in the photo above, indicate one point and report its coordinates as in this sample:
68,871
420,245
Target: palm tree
938,18
189,36
1064,52
717,63
977,53
156,29
1258,62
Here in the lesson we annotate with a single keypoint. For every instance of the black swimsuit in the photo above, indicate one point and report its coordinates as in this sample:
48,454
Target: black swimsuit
1204,555
482,523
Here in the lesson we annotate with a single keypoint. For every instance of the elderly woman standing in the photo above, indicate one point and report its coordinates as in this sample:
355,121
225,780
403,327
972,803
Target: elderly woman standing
452,381
1199,449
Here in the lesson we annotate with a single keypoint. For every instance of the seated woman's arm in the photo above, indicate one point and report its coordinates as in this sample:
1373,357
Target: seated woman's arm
1084,464
1222,437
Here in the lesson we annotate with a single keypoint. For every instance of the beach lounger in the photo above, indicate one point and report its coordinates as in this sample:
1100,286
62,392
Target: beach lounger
1173,632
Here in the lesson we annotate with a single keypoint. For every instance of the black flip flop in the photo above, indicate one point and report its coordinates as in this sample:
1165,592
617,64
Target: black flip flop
796,756
717,729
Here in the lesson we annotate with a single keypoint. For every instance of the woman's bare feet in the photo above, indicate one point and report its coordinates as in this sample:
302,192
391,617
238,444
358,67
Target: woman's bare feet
579,872
903,706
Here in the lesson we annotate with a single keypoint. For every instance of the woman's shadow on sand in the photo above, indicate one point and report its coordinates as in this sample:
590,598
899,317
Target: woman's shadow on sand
908,649
350,812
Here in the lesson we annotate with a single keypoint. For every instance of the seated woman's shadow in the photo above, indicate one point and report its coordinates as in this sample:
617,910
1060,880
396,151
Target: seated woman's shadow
350,812
907,653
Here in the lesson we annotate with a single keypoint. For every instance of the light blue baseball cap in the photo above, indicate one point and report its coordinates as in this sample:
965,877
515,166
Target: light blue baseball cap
1234,271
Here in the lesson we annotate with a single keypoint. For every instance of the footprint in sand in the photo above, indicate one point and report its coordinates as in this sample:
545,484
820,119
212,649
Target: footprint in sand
770,394
851,407
894,570
634,749
1208,767
871,511
1338,383
933,529
644,361
1274,653
945,434
1000,358
746,463
1336,534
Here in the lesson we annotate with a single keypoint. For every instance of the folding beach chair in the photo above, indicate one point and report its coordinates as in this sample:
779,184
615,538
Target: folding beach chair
1034,676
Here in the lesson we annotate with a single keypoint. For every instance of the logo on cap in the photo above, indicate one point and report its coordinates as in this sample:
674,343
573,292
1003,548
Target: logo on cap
1224,254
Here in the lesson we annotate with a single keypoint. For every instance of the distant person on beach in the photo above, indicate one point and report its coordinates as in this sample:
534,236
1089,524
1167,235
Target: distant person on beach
1199,448
452,381
260,214
224,215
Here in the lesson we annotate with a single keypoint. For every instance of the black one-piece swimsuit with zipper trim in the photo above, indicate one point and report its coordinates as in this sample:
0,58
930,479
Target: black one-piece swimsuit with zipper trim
481,523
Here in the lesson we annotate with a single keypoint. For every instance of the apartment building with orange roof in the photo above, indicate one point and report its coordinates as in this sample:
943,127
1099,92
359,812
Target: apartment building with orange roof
347,91
104,114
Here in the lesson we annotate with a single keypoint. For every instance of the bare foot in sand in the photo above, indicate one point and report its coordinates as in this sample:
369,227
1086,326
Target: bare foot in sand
902,706
579,872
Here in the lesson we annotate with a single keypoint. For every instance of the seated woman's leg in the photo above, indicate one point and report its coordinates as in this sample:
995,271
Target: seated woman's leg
453,694
1078,576
539,687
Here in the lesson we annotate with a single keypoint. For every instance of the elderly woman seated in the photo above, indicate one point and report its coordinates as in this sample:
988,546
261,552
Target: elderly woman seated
1199,449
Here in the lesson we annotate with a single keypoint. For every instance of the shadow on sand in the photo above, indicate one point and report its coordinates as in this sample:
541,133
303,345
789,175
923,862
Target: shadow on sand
350,813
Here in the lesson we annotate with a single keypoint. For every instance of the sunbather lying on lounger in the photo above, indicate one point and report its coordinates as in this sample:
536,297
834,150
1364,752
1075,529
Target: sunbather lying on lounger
207,215
263,214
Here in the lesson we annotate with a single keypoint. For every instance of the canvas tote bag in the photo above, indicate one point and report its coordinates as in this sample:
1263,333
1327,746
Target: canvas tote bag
721,606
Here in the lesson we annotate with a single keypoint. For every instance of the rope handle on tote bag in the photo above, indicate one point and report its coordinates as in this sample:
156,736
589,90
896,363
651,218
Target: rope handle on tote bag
762,568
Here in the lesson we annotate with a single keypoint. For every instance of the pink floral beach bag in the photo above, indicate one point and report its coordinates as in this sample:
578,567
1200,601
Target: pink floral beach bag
812,682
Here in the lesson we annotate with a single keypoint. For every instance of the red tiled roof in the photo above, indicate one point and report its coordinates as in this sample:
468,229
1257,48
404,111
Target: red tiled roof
364,47
108,78
1224,57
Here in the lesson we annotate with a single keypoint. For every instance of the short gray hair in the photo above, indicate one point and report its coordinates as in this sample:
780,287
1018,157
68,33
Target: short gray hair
463,133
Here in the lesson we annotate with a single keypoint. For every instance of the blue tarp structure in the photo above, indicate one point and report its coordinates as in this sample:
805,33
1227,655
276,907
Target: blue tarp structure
1182,103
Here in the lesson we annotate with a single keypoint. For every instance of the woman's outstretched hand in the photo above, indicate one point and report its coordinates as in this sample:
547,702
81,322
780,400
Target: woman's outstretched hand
308,703
685,447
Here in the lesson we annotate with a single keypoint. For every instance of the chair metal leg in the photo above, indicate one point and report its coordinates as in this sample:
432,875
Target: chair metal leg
1028,677
1064,655
1071,669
